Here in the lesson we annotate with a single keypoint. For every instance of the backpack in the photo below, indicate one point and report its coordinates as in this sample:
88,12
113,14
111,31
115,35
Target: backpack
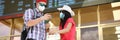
26,30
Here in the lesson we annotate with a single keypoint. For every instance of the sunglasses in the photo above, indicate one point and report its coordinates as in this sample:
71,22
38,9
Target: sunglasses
63,11
41,4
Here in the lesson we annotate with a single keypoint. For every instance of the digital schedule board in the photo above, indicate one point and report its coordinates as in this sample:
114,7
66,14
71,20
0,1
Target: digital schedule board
76,3
10,7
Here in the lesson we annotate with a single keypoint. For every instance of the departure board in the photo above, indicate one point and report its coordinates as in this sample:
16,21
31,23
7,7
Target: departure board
2,7
56,3
9,7
82,3
16,6
53,4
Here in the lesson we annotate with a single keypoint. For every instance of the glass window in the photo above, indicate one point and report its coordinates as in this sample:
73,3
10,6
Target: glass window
89,33
16,38
4,30
109,33
17,32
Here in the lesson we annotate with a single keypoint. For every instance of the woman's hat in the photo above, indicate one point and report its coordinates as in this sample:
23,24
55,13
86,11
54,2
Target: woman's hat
67,8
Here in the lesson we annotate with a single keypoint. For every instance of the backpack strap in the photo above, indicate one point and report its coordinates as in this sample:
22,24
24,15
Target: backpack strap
34,13
34,17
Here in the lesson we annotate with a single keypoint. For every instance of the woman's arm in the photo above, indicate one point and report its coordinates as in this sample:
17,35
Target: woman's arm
65,30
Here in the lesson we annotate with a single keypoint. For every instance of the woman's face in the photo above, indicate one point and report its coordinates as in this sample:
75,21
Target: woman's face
62,15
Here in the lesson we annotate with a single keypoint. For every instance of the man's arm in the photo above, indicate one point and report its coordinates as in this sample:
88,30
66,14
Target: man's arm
34,22
38,20
29,21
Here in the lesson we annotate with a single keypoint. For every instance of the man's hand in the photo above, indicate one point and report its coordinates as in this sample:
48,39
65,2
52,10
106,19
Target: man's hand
46,17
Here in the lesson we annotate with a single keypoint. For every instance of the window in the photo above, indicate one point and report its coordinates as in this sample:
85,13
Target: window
89,33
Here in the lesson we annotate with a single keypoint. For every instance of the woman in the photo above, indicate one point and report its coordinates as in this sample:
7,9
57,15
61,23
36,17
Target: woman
67,28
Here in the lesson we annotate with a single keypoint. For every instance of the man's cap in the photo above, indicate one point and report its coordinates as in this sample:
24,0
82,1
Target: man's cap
42,1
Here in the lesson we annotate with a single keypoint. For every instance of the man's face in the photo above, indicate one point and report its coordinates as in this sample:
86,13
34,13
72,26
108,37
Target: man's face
41,7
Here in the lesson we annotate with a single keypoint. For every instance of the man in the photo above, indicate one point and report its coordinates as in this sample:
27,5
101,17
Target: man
37,25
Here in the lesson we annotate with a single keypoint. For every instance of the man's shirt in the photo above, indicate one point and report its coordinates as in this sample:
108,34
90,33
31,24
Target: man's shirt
36,32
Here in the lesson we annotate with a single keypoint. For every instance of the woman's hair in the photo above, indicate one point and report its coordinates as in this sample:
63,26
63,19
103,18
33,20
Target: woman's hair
63,21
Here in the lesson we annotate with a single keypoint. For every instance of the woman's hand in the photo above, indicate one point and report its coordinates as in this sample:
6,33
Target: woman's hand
53,31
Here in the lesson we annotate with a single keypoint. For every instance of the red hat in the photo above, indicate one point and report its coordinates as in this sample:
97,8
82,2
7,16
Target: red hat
41,1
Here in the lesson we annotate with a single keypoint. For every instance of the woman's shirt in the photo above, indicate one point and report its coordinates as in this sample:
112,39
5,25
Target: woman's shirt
71,34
